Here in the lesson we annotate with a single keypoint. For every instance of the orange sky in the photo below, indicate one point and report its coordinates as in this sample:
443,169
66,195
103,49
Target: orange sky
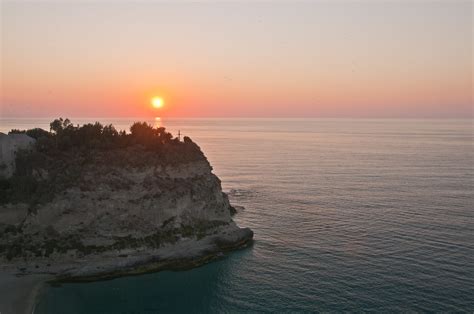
311,59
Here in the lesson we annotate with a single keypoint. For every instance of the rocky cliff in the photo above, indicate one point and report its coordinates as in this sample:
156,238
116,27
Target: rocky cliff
92,213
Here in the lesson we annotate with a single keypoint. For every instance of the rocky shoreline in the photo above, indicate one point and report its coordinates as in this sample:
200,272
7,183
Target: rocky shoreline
187,254
25,282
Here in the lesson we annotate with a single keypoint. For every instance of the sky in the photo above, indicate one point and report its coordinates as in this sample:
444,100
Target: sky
354,59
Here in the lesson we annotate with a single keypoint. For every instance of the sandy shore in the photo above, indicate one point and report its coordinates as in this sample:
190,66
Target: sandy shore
18,293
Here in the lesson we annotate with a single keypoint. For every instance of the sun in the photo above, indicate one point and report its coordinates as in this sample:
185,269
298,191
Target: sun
157,102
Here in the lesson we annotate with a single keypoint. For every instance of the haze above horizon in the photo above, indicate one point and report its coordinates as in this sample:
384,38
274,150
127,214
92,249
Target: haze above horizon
408,59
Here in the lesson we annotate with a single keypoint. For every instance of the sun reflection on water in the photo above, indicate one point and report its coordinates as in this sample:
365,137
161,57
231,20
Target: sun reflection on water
157,123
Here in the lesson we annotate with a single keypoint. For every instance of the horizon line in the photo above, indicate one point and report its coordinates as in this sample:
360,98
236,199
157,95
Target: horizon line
242,117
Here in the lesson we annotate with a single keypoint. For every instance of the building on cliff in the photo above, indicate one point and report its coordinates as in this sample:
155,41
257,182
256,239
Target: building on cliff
9,145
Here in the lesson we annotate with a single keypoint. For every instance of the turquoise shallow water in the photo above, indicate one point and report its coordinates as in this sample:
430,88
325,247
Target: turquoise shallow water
372,215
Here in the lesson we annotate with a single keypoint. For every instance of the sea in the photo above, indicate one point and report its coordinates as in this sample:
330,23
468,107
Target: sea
365,215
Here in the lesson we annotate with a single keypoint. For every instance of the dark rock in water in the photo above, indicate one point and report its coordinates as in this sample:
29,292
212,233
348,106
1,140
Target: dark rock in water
232,210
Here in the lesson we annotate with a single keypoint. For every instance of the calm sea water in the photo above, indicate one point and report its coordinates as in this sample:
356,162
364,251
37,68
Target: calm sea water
373,215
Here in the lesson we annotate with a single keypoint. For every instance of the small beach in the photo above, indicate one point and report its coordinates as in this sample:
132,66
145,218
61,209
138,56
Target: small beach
18,294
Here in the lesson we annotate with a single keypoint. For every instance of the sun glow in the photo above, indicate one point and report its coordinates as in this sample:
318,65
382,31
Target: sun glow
157,102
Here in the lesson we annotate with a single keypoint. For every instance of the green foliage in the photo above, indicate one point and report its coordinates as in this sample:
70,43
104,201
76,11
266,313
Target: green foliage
59,125
64,136
60,155
20,187
144,134
35,133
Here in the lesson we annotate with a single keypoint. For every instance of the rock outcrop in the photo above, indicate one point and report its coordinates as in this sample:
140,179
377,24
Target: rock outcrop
116,211
9,146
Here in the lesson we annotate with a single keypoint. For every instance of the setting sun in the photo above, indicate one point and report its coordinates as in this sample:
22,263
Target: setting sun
157,102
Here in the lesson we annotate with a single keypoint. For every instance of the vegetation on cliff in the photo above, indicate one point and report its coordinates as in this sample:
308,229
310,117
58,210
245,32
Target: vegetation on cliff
64,136
60,154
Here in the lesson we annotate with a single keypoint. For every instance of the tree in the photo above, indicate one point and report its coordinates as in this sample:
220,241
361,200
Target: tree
59,125
56,126
109,131
141,129
142,133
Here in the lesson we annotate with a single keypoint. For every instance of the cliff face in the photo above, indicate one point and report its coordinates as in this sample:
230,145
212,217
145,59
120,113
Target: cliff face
117,202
